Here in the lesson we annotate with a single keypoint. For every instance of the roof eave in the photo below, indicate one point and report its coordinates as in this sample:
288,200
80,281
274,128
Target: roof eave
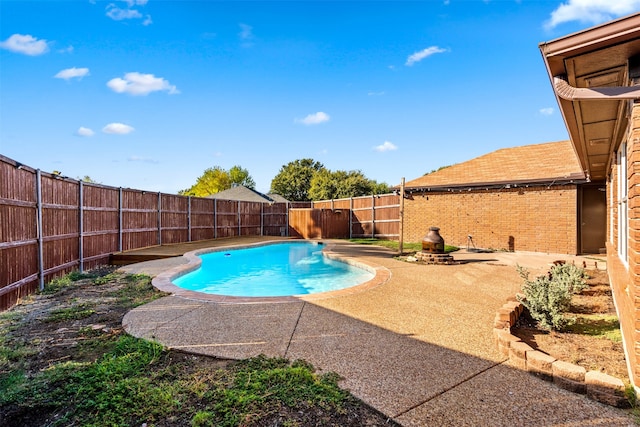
578,178
557,52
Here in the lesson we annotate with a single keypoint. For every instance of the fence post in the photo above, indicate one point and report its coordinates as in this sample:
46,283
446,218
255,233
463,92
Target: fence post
120,220
189,218
159,218
261,219
401,225
80,225
287,219
239,220
351,217
215,218
39,226
373,217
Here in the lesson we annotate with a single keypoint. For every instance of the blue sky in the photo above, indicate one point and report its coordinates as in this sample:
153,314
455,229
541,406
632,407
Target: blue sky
148,94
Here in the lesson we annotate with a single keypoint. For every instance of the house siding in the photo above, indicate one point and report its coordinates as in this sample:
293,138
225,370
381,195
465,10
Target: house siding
624,275
536,219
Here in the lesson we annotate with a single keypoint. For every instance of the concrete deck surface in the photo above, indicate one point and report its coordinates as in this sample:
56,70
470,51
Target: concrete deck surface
418,348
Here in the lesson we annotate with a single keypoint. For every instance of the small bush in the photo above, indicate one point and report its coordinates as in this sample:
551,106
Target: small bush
548,297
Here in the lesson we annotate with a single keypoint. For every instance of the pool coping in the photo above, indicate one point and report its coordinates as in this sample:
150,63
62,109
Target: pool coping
164,280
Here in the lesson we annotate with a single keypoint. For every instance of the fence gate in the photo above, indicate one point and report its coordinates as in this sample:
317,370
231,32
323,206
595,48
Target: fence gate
319,223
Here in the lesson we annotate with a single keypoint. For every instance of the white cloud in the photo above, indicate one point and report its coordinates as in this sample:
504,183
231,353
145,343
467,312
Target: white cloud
591,11
117,14
25,44
68,49
546,111
71,73
387,146
142,159
246,32
83,131
425,53
141,84
117,129
246,35
314,119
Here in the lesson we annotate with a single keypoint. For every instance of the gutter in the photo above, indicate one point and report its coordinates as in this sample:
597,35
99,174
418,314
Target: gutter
612,93
573,179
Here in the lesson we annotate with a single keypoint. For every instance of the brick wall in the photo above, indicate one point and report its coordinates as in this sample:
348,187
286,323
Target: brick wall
624,275
536,219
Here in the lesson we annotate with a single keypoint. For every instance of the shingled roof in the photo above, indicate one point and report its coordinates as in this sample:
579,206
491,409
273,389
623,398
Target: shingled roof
245,194
550,162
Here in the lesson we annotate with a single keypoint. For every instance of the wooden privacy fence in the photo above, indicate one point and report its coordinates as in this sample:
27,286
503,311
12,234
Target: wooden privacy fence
376,216
50,225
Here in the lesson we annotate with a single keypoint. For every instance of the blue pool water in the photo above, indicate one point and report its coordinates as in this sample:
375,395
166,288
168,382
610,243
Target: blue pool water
279,269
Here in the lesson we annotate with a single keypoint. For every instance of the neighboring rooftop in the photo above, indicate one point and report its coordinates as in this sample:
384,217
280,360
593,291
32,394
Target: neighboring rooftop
549,162
245,194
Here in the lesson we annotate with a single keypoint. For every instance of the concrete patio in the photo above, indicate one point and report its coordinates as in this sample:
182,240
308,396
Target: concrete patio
419,347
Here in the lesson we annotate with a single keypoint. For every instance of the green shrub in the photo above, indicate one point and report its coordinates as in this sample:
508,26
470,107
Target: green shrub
548,297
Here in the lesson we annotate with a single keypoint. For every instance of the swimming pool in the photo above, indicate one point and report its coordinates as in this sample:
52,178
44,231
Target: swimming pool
279,269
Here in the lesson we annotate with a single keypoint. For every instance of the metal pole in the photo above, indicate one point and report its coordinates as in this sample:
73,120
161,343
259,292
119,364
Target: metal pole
351,217
159,218
401,225
80,225
215,218
287,218
239,220
373,217
39,227
120,221
189,218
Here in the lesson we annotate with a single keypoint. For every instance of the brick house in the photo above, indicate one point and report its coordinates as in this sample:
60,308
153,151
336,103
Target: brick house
529,198
595,75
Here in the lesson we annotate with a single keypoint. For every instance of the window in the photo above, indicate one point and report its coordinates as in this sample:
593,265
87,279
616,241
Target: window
623,216
611,190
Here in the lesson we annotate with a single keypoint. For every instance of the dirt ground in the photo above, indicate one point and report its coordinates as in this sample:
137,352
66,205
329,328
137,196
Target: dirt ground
29,325
595,314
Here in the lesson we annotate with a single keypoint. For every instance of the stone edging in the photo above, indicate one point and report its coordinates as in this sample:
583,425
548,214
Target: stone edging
596,385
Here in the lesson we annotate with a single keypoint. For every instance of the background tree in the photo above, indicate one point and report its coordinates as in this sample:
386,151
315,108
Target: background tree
217,179
340,184
293,181
88,179
240,176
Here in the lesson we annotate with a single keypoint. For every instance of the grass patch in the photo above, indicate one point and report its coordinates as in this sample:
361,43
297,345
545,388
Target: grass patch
597,325
394,244
75,312
136,289
135,381
89,372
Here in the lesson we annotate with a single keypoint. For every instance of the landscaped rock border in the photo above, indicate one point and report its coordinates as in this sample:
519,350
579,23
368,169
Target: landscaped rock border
596,385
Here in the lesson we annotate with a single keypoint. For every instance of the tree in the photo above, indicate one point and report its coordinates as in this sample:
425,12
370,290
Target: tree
293,181
439,169
340,184
240,176
380,187
216,179
87,179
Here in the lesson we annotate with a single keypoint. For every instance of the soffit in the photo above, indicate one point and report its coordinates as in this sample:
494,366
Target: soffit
591,59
